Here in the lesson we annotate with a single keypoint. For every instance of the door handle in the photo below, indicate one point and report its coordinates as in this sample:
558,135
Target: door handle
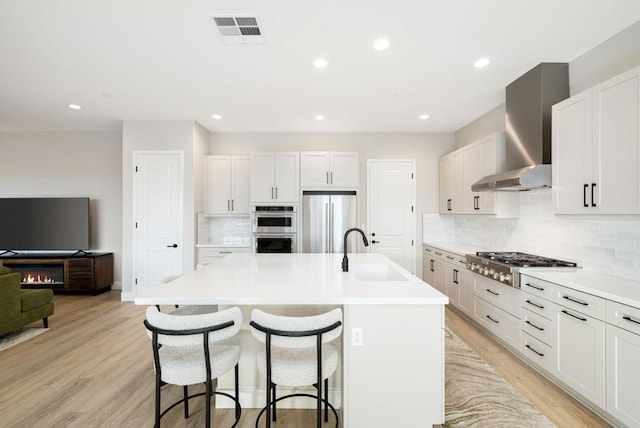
375,242
584,196
172,246
593,186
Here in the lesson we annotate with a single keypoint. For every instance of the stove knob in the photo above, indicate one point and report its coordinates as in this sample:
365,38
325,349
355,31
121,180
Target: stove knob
502,277
496,275
507,277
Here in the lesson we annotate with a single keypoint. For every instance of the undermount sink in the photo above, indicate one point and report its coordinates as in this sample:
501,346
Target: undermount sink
375,272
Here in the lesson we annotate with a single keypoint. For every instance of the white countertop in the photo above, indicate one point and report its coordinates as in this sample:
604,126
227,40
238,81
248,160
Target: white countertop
292,279
455,248
621,290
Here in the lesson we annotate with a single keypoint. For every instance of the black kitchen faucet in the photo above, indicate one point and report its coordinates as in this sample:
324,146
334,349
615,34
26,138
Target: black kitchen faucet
345,260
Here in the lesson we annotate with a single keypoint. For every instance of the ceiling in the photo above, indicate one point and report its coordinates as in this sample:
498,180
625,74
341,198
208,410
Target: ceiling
166,60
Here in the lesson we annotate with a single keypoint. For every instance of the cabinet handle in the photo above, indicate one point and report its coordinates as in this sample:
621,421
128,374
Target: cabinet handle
584,196
276,192
431,265
534,304
464,262
331,175
495,321
534,326
449,257
327,177
272,193
455,276
225,252
428,250
580,302
630,319
593,186
534,351
574,316
449,204
534,286
492,292
232,208
438,254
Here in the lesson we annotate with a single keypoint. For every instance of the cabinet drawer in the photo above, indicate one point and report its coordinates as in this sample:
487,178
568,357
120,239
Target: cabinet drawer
537,352
623,316
537,304
500,323
587,304
536,287
538,327
505,297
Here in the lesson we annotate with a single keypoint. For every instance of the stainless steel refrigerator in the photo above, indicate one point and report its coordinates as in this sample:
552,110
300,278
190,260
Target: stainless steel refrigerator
326,215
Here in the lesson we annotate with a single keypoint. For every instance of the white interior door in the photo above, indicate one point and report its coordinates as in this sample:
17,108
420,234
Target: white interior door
158,216
391,209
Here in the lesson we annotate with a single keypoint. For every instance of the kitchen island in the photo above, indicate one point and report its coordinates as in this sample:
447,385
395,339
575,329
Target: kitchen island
393,377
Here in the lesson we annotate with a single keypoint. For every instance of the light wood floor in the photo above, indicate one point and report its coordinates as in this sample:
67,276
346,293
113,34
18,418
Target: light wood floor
93,368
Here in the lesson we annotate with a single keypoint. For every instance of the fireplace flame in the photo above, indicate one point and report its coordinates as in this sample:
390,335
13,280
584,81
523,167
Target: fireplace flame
31,279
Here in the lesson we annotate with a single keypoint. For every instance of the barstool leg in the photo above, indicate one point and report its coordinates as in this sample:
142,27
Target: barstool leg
208,404
185,391
273,400
326,400
237,390
158,384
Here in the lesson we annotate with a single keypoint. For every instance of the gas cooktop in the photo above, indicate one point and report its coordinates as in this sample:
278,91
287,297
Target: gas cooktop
523,259
504,266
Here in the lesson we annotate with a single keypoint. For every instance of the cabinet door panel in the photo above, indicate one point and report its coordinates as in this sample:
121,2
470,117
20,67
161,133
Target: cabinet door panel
262,188
345,170
314,169
572,154
617,144
240,173
218,184
286,173
580,342
623,376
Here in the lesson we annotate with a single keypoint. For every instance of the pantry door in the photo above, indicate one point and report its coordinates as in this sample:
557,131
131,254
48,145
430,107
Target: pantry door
391,209
157,216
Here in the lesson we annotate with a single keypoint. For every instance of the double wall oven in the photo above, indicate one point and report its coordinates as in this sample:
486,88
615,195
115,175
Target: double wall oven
274,228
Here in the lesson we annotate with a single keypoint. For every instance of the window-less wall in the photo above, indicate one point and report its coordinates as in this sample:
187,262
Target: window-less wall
70,164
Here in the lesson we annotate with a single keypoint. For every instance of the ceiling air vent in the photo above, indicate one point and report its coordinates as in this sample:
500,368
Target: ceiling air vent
239,30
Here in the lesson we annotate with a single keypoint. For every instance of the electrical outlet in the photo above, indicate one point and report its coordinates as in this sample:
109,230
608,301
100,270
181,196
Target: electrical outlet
356,336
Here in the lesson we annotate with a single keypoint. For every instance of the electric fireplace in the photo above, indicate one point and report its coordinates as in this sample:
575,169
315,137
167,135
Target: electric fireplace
40,275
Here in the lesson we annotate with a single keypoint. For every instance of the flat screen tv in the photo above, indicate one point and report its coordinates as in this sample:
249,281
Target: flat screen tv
39,224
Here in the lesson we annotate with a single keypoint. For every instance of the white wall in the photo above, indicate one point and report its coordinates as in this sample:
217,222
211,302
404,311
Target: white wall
70,164
425,148
148,135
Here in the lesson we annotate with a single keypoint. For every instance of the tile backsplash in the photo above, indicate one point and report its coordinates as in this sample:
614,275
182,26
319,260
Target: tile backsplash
605,244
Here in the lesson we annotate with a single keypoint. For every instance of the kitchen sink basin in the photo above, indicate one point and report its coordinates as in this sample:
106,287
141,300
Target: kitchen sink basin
375,272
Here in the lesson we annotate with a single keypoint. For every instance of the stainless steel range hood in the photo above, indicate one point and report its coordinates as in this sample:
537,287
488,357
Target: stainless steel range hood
528,125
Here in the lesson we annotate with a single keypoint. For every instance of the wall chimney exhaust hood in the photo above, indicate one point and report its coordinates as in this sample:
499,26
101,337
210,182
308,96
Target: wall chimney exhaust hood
528,124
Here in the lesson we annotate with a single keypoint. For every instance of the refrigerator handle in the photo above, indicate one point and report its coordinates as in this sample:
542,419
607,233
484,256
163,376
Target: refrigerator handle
326,225
331,234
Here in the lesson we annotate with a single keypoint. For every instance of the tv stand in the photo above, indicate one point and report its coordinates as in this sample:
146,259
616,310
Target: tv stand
91,272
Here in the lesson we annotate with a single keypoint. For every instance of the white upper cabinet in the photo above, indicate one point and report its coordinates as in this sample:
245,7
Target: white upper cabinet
463,167
596,149
329,170
227,184
451,183
275,177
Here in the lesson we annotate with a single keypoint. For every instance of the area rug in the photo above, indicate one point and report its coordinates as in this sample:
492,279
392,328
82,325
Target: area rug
476,396
10,339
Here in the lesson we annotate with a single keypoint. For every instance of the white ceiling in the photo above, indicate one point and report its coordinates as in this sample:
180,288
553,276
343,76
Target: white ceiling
165,60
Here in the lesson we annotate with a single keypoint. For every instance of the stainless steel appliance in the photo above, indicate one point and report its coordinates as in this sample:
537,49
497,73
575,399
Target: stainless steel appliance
274,228
326,215
504,266
275,243
274,219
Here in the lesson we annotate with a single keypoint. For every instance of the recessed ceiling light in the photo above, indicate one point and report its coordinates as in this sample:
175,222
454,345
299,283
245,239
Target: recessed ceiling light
319,117
482,62
423,117
216,116
320,63
74,106
381,44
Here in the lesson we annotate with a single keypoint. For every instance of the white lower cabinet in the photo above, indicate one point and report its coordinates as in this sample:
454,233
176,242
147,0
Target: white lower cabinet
500,323
447,273
622,356
206,255
580,346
